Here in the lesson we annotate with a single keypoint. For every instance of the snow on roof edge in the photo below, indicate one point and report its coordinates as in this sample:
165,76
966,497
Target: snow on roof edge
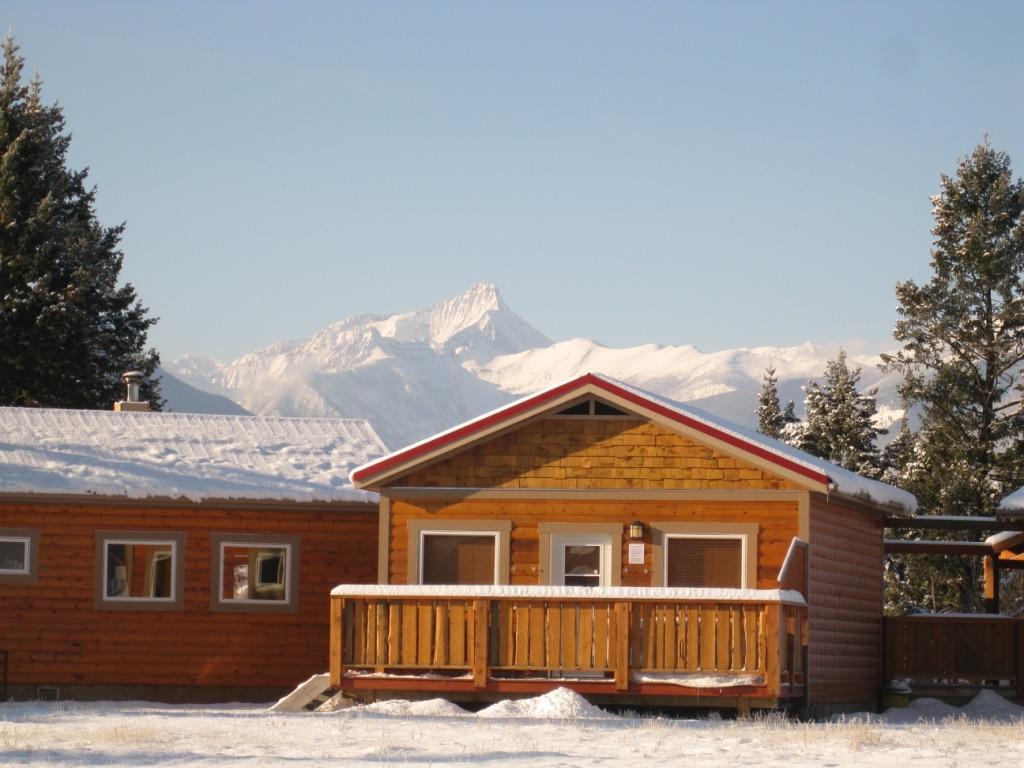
844,482
1013,502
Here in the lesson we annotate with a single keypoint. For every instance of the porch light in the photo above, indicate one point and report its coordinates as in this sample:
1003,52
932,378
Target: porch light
636,530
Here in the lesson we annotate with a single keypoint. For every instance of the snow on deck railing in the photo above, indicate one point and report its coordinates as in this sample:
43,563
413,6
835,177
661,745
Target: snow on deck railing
702,594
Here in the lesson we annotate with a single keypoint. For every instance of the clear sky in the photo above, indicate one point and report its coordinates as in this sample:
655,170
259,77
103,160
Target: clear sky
719,174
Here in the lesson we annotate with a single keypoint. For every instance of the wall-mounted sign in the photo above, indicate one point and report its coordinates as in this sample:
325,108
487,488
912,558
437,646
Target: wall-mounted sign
636,553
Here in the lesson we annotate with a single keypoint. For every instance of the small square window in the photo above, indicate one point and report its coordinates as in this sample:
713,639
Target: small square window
18,554
254,573
15,559
139,570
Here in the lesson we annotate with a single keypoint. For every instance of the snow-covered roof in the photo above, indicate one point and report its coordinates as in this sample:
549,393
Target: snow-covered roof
838,479
182,455
1014,503
1005,540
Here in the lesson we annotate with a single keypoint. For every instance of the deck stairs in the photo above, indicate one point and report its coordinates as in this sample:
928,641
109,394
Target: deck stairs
309,695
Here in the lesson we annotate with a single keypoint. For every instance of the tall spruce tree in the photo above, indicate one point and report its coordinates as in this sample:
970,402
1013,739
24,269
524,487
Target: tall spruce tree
962,336
839,420
67,330
770,418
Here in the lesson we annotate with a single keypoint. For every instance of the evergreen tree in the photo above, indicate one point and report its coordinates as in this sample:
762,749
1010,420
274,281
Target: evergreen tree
962,336
67,330
770,419
839,421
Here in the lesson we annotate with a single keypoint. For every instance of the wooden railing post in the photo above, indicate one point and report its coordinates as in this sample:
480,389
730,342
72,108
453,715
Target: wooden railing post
622,646
774,625
336,638
481,609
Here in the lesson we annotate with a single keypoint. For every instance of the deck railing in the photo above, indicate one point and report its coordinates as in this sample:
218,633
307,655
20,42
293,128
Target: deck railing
953,650
622,639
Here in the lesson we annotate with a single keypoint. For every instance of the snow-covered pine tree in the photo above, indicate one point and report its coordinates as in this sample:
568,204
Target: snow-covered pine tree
770,418
67,330
838,420
963,337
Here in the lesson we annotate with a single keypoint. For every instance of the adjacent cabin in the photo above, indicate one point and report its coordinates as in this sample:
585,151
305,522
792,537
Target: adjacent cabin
605,538
175,556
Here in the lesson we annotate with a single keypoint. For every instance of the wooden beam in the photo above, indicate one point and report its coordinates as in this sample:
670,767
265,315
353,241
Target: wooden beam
955,523
991,596
921,547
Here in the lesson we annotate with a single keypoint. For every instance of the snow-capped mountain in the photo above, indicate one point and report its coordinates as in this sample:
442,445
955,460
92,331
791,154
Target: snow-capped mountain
416,373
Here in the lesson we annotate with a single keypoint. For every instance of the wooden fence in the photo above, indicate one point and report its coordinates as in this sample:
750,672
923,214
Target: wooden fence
955,650
759,644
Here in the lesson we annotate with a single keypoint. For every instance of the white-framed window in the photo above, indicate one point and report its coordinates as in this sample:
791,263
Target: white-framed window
254,572
581,560
15,555
445,551
459,557
705,560
139,570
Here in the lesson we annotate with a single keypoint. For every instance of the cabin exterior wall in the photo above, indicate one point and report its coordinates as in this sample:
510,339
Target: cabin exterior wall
776,521
845,598
54,635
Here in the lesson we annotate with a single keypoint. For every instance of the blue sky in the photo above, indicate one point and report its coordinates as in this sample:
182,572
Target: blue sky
718,174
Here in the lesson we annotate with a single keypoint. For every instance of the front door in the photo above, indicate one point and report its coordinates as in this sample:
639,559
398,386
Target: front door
581,560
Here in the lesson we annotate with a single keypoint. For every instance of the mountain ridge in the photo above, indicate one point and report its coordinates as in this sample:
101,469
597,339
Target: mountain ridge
412,374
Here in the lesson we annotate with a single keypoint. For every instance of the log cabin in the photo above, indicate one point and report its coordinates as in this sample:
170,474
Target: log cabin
175,557
633,548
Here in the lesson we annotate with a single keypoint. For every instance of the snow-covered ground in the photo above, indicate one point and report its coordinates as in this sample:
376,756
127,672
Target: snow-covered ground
558,729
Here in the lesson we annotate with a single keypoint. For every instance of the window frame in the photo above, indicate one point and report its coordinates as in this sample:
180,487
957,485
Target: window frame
104,602
30,574
291,545
746,533
500,529
479,534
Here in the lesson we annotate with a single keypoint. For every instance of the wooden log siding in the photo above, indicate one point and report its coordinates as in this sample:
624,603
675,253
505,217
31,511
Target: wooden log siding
588,453
509,638
845,598
54,636
777,525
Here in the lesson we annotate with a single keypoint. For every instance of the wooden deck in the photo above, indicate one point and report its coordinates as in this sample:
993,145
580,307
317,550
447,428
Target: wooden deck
487,644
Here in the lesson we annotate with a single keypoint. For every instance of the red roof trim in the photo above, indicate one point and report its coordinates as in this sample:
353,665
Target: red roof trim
509,414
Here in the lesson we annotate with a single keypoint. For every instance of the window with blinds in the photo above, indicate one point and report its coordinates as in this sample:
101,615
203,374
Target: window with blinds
457,558
700,562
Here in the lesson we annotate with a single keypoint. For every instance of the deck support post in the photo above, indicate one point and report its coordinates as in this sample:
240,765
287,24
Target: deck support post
481,609
621,646
337,634
991,597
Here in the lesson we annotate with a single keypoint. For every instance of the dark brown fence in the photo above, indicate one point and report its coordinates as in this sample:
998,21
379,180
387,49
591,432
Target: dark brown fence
955,650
